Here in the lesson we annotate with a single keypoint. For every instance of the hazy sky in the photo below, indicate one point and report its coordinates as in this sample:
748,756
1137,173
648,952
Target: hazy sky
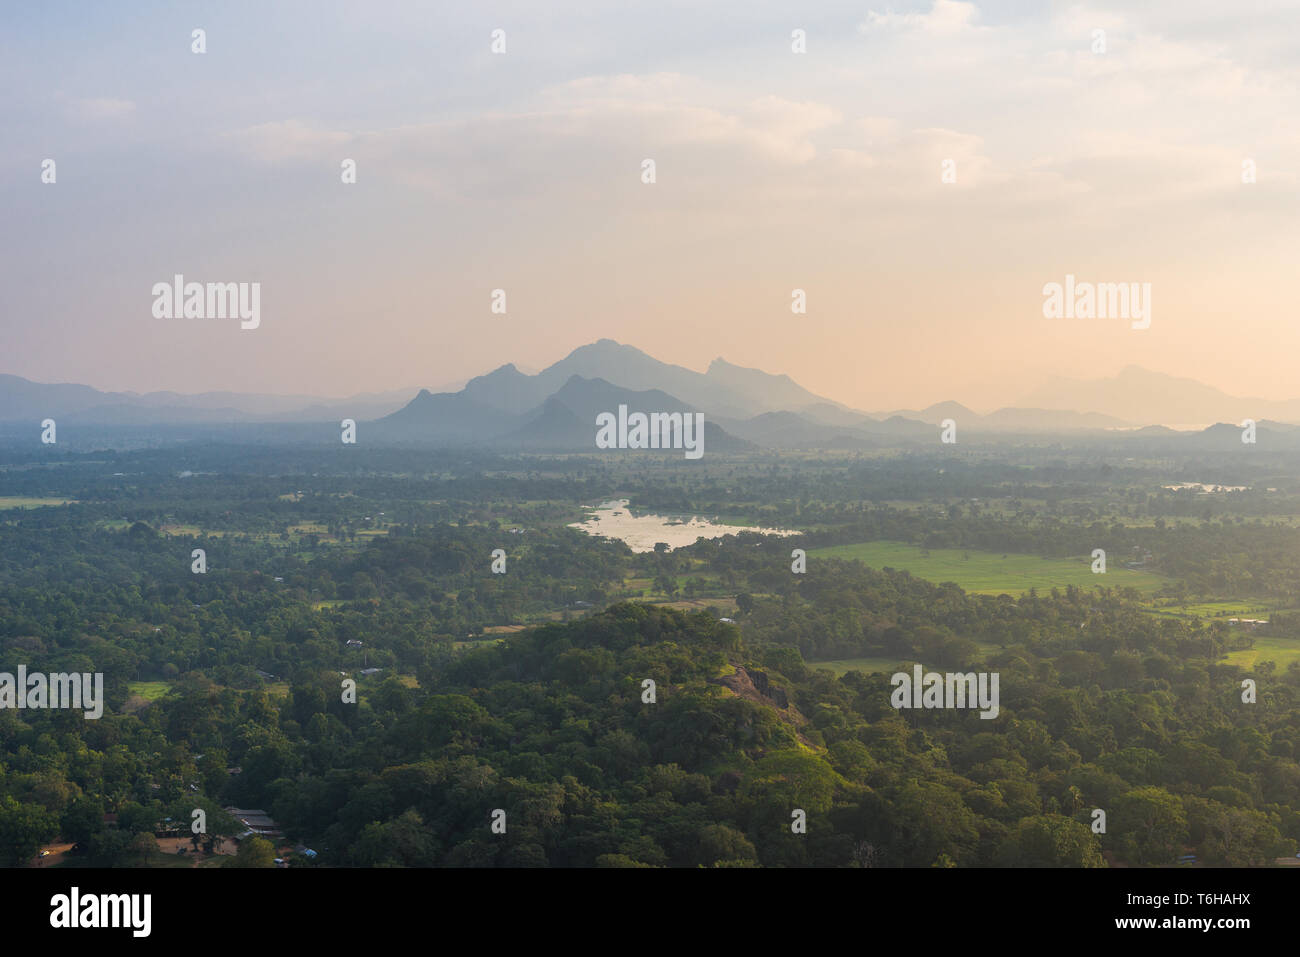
775,170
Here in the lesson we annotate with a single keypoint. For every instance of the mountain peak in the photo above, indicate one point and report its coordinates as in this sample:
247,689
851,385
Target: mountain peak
509,369
949,407
721,365
606,346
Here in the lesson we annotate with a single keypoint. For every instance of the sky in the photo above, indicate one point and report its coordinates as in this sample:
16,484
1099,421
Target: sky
823,171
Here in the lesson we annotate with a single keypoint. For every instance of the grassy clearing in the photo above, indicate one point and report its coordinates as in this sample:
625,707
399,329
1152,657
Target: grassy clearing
875,665
25,501
989,573
1214,609
842,666
1280,651
149,690
141,694
310,528
480,643
697,604
191,531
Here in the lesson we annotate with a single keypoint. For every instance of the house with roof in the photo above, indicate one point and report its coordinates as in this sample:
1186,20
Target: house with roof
257,822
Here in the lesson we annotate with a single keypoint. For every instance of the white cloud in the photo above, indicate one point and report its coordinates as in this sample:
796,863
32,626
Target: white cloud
1033,120
946,16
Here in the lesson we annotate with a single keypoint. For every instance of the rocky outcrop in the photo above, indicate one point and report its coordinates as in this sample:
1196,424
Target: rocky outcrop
753,685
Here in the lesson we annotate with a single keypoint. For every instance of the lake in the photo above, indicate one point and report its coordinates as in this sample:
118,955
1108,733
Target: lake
641,532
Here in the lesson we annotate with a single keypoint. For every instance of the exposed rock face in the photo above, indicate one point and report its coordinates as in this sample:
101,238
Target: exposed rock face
768,690
754,686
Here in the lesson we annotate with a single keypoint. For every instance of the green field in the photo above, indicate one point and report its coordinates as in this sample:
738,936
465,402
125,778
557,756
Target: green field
188,531
884,664
989,573
1214,609
24,501
479,643
842,666
149,690
1281,651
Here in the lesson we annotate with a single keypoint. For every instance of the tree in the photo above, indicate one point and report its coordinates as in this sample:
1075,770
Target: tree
253,852
718,843
23,829
1234,836
109,848
403,841
83,818
665,584
136,818
1050,840
143,846
1150,825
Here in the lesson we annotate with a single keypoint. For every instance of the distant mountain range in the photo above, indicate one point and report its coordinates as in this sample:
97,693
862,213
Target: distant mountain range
22,400
555,409
1143,397
562,422
724,390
